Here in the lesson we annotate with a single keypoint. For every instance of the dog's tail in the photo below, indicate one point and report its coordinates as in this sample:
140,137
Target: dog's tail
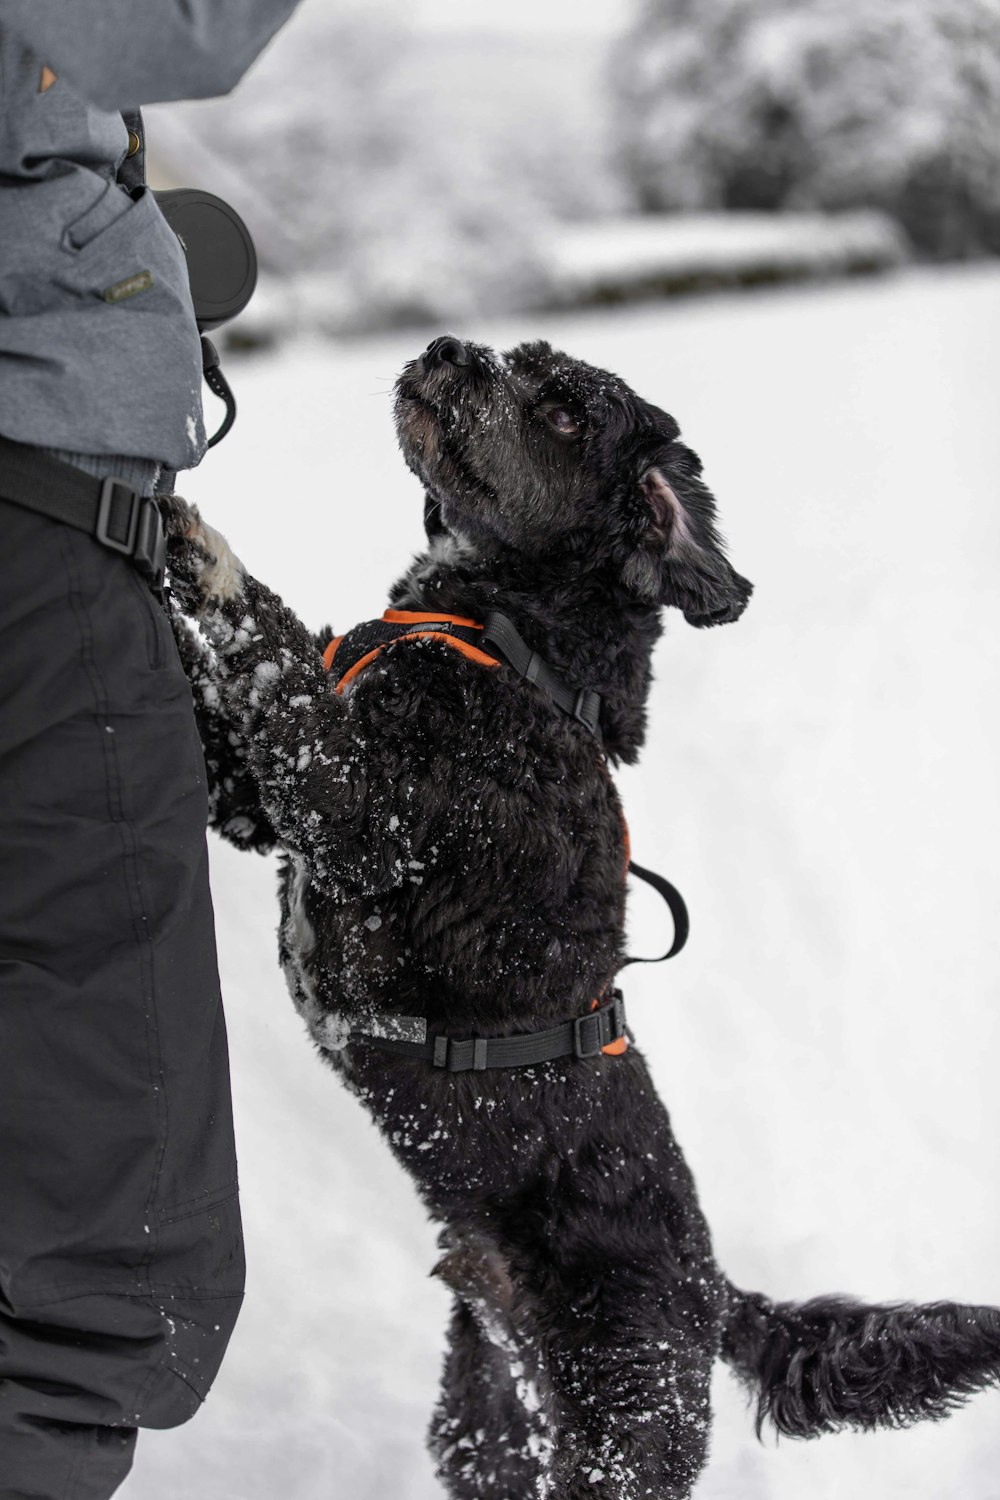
820,1366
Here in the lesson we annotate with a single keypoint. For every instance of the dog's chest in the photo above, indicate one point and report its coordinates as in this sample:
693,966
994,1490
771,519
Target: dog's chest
481,877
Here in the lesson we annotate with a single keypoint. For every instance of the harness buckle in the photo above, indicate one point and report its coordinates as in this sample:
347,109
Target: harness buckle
586,709
534,667
580,1049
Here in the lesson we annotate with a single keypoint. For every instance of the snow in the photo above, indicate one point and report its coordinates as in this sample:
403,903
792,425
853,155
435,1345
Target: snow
820,781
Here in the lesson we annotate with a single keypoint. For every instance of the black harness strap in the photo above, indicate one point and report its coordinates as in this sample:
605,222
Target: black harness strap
109,510
581,704
583,1037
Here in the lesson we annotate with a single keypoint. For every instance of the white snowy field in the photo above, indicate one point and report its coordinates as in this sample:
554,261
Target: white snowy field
821,782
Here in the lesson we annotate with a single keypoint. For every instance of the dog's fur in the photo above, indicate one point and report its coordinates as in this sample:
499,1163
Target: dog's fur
454,848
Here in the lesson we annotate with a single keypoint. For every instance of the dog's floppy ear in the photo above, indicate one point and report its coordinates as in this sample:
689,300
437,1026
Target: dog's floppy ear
680,560
433,524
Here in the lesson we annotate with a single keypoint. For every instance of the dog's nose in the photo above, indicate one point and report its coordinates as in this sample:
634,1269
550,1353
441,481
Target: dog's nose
445,351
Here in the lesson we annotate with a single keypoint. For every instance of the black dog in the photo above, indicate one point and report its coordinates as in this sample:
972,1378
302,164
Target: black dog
454,867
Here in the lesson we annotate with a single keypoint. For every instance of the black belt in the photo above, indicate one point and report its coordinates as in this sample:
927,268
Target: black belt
109,510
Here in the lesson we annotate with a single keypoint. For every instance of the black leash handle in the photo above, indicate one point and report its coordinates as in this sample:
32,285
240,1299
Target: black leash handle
218,385
678,911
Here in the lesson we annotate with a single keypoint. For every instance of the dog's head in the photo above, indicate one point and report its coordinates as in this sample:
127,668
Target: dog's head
549,457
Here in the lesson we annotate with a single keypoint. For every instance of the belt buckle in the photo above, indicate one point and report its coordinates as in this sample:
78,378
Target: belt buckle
108,488
150,553
145,541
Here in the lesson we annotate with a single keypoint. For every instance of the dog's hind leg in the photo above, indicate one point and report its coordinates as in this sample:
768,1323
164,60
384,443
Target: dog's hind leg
491,1432
485,1434
631,1404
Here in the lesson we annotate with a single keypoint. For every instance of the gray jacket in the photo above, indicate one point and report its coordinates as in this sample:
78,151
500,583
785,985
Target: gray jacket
99,353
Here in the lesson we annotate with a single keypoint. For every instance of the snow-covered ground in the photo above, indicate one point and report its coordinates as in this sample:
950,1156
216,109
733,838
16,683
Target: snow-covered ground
821,782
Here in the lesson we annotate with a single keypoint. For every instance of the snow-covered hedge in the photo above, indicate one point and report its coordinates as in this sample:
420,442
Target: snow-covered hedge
663,255
819,104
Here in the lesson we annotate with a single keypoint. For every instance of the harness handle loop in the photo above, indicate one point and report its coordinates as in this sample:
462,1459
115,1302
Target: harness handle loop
678,911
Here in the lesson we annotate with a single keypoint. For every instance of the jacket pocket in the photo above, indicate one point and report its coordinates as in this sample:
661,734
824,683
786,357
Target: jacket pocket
122,246
113,204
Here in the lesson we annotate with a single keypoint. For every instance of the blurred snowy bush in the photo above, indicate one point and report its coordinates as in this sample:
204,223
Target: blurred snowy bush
828,104
392,176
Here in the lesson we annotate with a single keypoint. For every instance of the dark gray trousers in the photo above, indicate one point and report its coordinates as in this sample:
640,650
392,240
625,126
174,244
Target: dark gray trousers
121,1259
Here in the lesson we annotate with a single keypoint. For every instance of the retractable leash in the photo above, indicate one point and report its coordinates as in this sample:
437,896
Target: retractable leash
222,272
602,1029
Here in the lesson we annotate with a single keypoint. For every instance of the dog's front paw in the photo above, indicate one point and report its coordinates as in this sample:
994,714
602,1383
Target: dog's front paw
204,570
180,519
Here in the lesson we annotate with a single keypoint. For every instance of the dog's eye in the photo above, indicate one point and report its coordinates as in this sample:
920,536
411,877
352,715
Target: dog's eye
563,421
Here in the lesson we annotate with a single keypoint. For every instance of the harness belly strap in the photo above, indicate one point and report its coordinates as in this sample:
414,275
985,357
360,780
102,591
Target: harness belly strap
585,1036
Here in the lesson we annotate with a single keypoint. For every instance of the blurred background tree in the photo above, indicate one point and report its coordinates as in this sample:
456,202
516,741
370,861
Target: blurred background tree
820,104
401,175
396,172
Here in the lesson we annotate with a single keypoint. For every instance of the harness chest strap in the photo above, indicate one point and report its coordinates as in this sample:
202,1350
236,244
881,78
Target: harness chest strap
360,646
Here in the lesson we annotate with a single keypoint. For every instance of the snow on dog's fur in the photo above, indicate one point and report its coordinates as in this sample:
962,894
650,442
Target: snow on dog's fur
455,850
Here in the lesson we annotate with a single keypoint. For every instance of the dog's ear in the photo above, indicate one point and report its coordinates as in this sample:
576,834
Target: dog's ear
680,559
433,524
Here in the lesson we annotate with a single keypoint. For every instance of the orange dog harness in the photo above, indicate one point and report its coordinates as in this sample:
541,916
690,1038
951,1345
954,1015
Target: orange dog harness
603,1028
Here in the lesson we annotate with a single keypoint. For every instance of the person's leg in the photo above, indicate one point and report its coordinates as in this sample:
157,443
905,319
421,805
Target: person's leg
121,1263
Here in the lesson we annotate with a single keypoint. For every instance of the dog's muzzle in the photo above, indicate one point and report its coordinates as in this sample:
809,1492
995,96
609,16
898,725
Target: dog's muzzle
444,351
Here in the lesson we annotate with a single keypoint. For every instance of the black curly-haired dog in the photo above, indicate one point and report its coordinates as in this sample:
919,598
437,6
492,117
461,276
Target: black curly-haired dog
454,851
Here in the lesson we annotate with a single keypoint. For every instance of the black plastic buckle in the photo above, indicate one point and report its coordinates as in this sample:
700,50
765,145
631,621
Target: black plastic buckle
145,541
446,1054
587,709
108,488
150,554
594,1021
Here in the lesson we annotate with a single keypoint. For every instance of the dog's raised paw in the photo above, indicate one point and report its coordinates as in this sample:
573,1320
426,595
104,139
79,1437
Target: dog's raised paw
202,563
223,575
178,516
